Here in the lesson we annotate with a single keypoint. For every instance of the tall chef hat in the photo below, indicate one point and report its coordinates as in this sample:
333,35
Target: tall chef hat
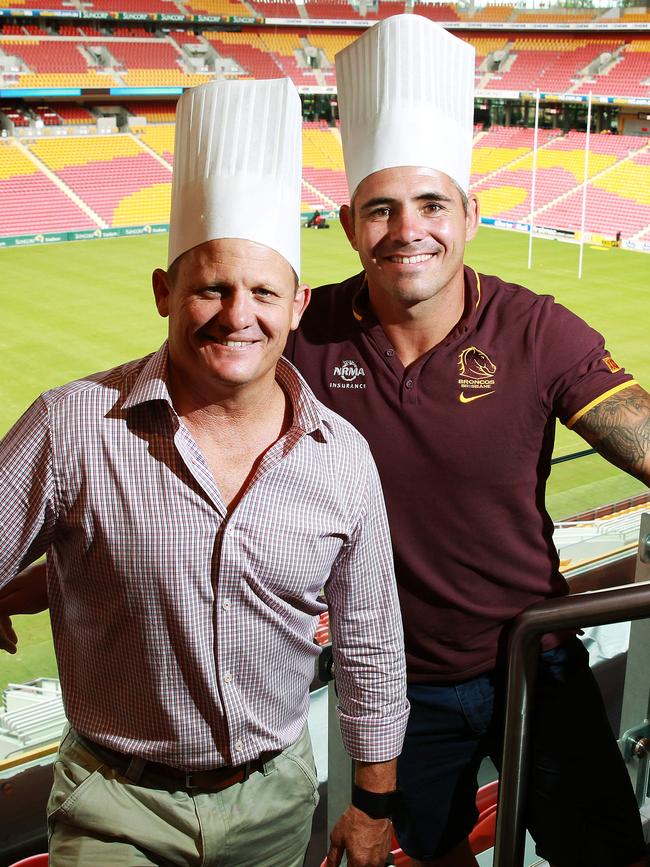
237,166
406,98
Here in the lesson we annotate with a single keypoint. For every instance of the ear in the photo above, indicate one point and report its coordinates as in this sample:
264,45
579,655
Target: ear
161,290
472,220
300,302
346,217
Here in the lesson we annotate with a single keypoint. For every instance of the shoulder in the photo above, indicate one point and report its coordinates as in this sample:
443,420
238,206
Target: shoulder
330,311
512,302
95,389
494,290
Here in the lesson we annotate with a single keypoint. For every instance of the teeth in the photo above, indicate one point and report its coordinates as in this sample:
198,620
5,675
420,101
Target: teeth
411,260
234,343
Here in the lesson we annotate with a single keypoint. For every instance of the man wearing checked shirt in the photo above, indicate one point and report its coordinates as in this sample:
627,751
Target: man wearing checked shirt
193,504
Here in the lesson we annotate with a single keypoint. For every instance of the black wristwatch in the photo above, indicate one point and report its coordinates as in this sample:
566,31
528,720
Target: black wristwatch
377,805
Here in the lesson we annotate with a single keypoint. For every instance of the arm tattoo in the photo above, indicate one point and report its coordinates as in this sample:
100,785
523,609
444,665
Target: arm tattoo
619,429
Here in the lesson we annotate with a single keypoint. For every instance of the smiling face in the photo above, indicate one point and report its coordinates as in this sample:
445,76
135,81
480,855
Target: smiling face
410,227
231,304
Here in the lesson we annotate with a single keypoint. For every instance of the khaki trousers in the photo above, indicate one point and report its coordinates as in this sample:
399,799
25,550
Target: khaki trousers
98,818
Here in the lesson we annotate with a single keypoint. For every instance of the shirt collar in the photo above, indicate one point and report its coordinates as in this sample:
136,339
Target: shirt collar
153,381
152,384
307,411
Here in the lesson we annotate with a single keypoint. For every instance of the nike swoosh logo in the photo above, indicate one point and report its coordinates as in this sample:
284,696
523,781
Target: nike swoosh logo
463,399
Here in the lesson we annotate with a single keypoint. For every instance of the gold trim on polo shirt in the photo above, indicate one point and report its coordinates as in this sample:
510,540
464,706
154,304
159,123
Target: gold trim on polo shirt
358,316
578,415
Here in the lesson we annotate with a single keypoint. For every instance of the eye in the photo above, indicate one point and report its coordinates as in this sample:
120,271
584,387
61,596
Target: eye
263,292
380,213
432,208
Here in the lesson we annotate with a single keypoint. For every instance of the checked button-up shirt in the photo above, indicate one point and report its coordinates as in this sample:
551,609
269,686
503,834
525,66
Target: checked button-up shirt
183,634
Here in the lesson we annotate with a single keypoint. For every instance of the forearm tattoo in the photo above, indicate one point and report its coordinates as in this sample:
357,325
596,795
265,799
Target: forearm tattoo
619,429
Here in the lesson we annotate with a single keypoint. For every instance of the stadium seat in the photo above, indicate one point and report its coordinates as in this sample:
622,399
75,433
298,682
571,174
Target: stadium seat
32,861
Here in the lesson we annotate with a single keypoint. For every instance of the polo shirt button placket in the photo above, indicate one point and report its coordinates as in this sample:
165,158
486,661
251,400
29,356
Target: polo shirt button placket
408,394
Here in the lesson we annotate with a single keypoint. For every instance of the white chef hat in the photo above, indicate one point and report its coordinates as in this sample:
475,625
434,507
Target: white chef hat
406,98
237,166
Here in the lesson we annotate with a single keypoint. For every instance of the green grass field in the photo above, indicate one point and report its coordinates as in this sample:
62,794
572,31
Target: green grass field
71,309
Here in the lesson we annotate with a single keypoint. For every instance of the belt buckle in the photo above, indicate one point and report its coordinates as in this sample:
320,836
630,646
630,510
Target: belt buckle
188,780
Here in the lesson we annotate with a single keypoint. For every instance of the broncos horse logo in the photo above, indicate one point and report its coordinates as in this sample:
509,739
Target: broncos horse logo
475,364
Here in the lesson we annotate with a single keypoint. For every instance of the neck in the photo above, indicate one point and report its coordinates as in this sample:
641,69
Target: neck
414,329
216,404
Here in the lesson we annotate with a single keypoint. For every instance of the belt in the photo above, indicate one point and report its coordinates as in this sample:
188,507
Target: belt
154,775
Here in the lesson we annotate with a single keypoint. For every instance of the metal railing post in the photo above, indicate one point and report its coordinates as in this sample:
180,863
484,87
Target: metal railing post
569,612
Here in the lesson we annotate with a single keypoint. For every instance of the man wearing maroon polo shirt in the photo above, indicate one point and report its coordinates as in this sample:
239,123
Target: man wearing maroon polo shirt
456,380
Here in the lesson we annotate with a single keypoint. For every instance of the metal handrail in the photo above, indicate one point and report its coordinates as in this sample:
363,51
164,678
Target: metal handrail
597,608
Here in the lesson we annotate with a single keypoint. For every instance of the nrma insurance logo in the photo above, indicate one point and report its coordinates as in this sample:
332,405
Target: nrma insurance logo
348,374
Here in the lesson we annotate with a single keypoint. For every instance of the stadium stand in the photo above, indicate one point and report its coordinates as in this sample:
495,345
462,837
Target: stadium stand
323,171
628,75
47,56
550,63
154,112
497,13
14,115
560,171
162,6
114,175
338,10
498,147
61,113
384,9
32,201
285,48
331,43
275,9
438,12
225,8
561,16
160,139
248,53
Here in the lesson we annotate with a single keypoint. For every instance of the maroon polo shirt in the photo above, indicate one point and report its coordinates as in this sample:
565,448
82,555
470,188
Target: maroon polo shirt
463,440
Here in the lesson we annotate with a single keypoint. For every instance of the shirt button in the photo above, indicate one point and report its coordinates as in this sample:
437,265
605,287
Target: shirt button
239,746
409,383
390,353
228,677
225,604
230,531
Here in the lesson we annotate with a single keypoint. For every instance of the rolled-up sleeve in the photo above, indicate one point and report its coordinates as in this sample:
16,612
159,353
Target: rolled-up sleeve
26,492
366,625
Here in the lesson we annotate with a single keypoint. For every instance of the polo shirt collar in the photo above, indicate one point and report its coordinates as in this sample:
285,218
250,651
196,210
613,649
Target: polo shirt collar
152,384
365,315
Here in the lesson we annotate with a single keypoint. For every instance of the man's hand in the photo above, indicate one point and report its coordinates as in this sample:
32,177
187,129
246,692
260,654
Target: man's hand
25,594
366,841
8,638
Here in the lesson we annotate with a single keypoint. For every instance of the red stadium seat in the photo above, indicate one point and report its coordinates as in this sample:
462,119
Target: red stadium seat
32,861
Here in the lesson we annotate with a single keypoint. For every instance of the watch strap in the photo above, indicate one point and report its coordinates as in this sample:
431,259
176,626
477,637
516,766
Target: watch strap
377,805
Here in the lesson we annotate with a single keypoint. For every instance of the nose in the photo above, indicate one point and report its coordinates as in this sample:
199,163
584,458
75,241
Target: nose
236,311
405,226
